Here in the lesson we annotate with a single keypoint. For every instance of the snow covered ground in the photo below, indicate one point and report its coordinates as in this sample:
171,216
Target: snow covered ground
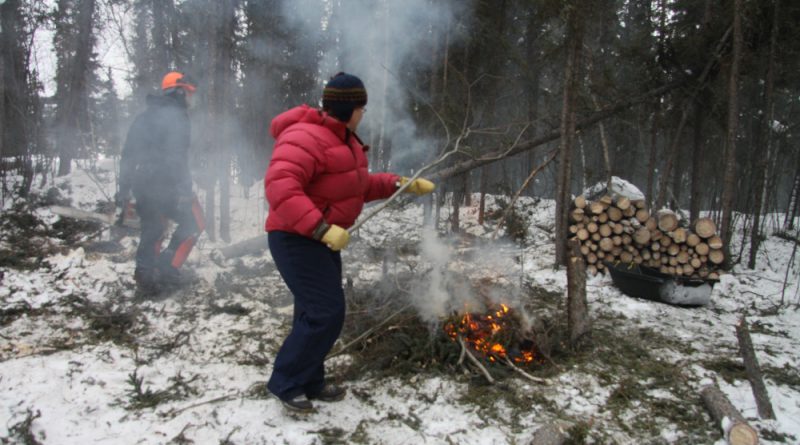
82,361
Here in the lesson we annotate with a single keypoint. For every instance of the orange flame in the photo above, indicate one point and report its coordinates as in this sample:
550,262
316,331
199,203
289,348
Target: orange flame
482,334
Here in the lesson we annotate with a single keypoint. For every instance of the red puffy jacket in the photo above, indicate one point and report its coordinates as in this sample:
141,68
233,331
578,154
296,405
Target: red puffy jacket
318,170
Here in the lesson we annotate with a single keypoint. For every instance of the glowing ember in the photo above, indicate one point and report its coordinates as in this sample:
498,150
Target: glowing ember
490,334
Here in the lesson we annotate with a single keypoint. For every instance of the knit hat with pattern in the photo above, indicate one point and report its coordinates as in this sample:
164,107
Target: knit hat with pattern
343,94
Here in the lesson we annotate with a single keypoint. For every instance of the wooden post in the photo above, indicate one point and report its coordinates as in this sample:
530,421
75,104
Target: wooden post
753,370
577,306
735,428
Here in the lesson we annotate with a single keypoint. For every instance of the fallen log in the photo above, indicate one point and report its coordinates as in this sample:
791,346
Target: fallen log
252,246
735,429
753,370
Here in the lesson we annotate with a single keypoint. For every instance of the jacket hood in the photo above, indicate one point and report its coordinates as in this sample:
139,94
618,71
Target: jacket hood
306,115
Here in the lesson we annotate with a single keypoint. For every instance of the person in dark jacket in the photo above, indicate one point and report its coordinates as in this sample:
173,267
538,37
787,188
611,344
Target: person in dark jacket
155,169
316,184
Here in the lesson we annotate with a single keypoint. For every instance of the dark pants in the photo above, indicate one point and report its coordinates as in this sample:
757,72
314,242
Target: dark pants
313,274
154,214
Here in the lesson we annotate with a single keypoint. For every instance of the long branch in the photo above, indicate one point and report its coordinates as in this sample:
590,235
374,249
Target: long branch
367,332
556,134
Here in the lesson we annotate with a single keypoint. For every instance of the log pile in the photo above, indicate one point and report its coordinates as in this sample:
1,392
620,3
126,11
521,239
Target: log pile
625,231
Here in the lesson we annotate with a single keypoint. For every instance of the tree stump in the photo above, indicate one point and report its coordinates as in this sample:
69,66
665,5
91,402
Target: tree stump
735,428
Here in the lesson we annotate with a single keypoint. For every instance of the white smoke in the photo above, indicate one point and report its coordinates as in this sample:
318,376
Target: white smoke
432,299
380,41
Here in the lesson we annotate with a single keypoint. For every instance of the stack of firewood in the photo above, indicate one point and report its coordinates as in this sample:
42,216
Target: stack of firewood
625,231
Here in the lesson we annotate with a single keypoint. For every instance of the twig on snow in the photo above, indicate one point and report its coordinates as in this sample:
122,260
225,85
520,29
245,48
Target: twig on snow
174,412
525,374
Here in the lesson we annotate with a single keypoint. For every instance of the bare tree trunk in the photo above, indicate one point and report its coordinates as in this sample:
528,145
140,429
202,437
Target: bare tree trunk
72,113
604,142
482,203
575,31
651,164
219,105
577,306
729,178
697,161
794,199
455,217
226,77
764,141
384,149
467,189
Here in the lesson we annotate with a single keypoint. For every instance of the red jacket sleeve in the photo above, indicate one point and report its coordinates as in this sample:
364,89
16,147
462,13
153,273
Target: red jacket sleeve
381,186
294,161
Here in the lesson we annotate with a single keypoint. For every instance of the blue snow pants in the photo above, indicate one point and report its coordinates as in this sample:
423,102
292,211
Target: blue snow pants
313,274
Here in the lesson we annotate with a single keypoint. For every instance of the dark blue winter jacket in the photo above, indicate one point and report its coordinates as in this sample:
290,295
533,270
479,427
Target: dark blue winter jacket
155,158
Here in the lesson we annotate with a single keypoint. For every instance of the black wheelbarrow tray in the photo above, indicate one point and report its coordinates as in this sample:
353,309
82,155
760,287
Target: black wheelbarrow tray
647,283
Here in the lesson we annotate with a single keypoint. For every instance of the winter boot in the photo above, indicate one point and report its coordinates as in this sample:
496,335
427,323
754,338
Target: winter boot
298,404
330,393
146,282
172,278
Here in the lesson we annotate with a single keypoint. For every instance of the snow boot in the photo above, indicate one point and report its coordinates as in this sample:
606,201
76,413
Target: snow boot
298,404
330,393
147,285
171,278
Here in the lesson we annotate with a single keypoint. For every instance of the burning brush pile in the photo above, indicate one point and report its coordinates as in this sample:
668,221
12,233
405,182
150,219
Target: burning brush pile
455,308
493,342
494,335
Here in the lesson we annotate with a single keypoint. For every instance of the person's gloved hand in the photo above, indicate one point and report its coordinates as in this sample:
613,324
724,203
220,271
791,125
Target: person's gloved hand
418,186
336,238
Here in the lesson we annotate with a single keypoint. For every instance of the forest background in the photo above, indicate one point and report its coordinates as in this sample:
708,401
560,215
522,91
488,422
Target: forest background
695,102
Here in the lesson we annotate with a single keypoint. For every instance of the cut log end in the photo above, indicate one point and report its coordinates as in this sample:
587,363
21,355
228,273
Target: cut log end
667,220
705,227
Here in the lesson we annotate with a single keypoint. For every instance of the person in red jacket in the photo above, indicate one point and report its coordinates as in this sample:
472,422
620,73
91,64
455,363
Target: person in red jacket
316,184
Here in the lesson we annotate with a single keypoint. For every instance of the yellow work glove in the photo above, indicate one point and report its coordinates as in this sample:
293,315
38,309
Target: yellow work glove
418,187
336,238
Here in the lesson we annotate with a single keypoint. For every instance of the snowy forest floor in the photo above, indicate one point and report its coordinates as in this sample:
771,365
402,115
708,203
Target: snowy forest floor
83,361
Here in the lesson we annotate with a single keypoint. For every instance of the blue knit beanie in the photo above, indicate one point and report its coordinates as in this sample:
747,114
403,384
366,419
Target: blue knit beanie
343,94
